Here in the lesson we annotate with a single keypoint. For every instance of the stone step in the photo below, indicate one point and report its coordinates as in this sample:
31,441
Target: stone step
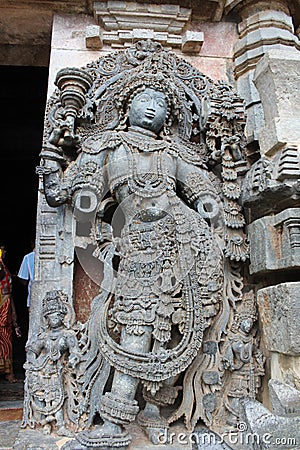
11,410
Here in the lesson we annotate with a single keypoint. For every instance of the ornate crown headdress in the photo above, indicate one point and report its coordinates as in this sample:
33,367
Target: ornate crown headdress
156,72
54,301
246,310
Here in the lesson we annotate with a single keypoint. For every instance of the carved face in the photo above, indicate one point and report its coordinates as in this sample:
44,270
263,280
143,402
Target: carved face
148,110
246,325
55,319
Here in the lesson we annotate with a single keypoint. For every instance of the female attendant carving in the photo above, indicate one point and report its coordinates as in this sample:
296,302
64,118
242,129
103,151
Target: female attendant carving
243,359
50,355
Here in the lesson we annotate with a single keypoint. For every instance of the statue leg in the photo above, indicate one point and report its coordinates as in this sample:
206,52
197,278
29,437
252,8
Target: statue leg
233,406
150,419
118,407
154,425
61,428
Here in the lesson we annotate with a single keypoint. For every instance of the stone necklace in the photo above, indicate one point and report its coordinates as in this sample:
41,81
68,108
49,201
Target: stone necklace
145,184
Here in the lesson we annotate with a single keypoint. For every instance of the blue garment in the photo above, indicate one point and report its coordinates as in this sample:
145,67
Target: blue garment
26,271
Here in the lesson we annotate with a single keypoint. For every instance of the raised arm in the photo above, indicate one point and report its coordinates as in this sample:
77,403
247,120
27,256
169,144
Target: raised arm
65,180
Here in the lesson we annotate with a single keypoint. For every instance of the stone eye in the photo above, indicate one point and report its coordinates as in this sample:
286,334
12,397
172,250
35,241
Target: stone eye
161,103
145,98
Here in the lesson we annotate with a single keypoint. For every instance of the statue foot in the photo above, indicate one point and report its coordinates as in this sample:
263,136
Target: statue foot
47,428
62,431
106,436
154,425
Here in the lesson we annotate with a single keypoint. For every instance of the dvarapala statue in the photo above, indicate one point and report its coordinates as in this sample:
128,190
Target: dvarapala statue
144,131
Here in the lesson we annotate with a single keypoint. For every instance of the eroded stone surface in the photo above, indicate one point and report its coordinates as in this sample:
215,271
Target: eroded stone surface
279,313
275,242
285,399
270,429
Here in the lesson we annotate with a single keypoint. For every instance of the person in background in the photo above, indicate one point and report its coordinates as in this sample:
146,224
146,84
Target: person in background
26,271
8,320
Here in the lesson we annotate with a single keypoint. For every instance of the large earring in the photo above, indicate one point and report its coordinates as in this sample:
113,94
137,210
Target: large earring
165,130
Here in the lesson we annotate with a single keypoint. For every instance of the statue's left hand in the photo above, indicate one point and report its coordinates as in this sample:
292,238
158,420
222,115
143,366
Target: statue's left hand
63,136
73,361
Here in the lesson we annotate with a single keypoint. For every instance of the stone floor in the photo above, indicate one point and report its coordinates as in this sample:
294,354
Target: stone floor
11,407
12,437
8,433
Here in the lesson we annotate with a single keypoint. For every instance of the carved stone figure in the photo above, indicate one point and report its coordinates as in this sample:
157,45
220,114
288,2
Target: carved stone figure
147,154
50,354
243,358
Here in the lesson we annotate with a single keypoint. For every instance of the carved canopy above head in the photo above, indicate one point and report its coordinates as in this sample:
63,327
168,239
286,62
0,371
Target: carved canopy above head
205,118
202,111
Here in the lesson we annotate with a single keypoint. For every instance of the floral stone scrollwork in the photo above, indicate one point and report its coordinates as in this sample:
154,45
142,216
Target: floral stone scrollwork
149,166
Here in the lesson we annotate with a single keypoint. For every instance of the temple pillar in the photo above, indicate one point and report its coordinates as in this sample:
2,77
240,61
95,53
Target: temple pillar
267,68
263,27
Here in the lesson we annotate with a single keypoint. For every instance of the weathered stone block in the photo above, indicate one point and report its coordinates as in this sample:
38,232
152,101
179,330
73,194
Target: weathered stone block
268,428
275,242
279,308
255,116
277,81
285,399
93,37
192,42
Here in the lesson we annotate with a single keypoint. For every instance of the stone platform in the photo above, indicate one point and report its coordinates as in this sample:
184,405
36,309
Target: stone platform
178,439
11,410
13,437
36,440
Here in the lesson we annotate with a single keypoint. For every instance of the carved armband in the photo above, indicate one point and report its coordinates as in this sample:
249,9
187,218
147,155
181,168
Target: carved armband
199,192
43,170
53,153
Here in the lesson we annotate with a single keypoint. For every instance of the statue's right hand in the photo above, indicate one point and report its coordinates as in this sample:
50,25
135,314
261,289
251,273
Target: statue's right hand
56,136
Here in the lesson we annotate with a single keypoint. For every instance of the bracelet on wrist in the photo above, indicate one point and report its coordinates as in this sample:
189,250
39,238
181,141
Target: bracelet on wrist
43,170
51,155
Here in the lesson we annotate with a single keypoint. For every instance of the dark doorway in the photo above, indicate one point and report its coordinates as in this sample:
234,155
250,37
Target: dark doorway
23,98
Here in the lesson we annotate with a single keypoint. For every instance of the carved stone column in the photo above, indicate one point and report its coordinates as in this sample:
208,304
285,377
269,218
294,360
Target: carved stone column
277,80
54,257
280,309
264,26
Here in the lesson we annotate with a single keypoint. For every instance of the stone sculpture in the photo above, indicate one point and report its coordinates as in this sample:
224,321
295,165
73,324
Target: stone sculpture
144,132
243,359
50,355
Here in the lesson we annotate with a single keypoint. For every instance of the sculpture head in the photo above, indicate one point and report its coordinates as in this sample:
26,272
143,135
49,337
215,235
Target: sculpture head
246,314
246,325
152,101
54,308
55,319
148,110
